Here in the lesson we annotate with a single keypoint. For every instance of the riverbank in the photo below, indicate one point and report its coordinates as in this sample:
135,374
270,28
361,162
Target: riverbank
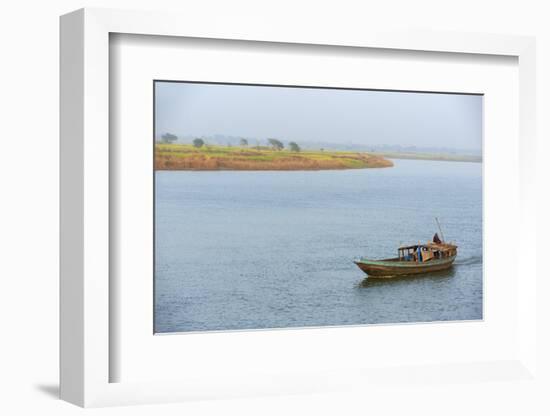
188,157
443,157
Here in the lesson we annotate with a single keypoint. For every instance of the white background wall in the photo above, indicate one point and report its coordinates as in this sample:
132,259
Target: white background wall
29,206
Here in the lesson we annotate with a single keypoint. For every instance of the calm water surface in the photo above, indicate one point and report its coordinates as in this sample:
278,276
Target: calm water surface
242,250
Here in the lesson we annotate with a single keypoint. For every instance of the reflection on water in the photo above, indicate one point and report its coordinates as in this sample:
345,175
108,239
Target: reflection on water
243,250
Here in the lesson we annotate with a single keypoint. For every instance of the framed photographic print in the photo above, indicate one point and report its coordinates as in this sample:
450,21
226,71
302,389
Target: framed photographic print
267,214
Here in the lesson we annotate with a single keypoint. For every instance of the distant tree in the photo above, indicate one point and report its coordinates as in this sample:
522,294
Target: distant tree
294,147
243,142
198,142
169,138
229,144
276,144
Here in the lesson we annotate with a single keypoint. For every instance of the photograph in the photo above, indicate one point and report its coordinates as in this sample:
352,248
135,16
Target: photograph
282,206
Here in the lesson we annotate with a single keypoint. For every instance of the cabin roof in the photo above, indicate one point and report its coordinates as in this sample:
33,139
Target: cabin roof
431,246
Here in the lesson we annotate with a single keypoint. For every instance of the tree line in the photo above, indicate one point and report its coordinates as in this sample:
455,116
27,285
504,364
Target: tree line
275,144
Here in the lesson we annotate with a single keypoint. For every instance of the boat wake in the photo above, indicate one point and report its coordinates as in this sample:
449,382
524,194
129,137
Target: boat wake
468,261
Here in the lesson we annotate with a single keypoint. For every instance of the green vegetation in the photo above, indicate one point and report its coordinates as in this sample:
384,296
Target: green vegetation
193,157
294,147
198,143
276,144
244,143
169,138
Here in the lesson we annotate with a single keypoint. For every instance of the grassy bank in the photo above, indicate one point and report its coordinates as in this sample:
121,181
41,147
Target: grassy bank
188,157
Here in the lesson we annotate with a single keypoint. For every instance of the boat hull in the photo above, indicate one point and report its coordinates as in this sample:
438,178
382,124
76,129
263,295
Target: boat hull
394,268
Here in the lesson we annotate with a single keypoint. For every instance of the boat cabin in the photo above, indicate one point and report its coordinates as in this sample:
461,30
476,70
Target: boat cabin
426,252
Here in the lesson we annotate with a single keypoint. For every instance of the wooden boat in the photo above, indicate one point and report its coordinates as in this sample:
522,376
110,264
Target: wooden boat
411,260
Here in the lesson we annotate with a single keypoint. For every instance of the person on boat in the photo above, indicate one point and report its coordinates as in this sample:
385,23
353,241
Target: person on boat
419,254
436,239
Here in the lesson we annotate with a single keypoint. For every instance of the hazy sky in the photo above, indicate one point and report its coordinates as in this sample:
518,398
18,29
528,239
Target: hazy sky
320,115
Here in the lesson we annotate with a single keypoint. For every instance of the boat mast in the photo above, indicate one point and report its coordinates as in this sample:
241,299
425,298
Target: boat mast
441,232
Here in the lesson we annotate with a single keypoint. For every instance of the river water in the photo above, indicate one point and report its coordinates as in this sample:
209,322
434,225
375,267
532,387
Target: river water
248,250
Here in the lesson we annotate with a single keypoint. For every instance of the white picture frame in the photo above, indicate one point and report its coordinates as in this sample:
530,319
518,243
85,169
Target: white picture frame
86,356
